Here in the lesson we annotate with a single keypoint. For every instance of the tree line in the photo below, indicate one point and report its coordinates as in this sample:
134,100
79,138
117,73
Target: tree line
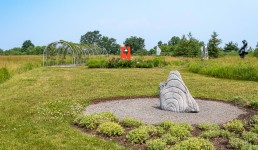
187,46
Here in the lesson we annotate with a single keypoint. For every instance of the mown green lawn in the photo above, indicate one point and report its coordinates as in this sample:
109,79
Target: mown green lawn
37,107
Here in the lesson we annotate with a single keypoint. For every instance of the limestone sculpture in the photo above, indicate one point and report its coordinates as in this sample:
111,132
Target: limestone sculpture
174,95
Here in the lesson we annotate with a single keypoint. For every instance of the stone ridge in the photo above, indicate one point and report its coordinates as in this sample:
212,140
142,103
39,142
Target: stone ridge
175,96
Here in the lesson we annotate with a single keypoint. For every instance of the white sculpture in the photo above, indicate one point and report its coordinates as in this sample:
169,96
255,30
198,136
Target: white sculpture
174,95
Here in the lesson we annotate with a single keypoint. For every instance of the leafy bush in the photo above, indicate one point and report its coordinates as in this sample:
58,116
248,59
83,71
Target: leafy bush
217,133
96,63
250,137
4,74
255,53
254,120
110,129
255,129
131,122
169,139
159,62
144,64
157,144
167,124
238,143
78,119
194,144
137,136
254,104
207,126
179,131
234,126
160,130
92,121
185,125
118,63
152,130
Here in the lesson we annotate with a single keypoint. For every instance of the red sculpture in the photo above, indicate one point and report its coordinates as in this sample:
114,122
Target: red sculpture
125,52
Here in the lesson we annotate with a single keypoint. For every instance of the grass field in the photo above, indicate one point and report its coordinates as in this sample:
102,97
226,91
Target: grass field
38,106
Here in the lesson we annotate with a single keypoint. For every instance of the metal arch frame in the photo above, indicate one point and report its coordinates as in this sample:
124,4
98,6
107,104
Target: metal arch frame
79,52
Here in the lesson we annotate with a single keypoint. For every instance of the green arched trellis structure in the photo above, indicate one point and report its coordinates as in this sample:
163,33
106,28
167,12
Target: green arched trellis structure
63,52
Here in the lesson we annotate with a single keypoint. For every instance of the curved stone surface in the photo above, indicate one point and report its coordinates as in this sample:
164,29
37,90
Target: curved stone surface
174,95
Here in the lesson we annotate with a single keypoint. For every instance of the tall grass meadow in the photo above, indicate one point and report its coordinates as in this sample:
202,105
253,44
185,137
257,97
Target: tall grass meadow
227,67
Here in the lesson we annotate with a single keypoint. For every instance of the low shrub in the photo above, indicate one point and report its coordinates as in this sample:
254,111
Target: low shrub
194,144
159,62
254,120
160,130
78,119
4,74
157,144
137,136
234,126
119,63
131,122
255,53
208,126
167,124
93,120
96,63
250,137
169,139
185,125
179,132
152,130
254,129
238,143
144,64
110,129
217,133
254,104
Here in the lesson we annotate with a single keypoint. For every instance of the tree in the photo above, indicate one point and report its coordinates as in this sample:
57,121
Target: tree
91,37
230,47
109,44
14,51
26,44
188,47
213,45
1,52
174,41
136,43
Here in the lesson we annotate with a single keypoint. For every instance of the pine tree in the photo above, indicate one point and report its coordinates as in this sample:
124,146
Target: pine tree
213,45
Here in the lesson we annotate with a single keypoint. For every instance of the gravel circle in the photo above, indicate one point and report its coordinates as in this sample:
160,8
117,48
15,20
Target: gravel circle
148,111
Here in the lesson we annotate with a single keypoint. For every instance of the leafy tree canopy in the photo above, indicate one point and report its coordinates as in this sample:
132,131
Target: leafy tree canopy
136,43
94,37
91,37
1,52
26,44
231,46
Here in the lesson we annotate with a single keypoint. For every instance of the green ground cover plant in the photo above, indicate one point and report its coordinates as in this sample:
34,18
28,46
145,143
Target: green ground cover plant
234,125
194,144
110,129
137,136
131,122
208,126
156,144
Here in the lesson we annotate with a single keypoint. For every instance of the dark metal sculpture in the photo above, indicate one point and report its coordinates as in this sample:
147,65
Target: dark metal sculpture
242,51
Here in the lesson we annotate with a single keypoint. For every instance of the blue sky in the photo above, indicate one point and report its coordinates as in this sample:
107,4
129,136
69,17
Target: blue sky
45,21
